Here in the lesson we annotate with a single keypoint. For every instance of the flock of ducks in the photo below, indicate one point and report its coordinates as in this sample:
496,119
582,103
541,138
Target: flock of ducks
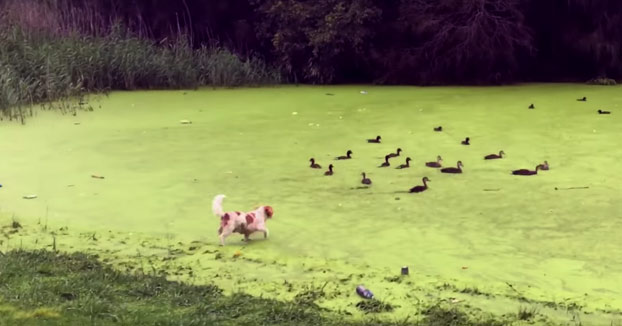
434,164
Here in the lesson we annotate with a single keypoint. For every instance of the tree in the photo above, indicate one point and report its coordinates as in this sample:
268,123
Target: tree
316,40
461,41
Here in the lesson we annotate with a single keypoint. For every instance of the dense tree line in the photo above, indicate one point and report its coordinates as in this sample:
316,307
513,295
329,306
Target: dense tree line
391,41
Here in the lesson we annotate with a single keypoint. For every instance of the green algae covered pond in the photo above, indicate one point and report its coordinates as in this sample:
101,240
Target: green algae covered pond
484,238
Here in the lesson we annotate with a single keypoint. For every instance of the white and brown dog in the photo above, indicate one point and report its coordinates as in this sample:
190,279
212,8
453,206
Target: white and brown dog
240,222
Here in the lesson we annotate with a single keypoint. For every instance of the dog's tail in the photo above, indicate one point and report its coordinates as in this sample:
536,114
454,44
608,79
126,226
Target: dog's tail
217,205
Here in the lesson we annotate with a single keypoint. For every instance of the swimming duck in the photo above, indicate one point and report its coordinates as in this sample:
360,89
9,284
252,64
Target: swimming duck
421,188
452,169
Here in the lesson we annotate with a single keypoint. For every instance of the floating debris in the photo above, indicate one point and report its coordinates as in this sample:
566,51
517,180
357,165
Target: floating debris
405,270
97,176
454,300
572,188
30,196
294,113
363,92
185,122
364,292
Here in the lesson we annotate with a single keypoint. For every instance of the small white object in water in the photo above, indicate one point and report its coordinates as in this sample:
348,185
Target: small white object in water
185,122
30,196
340,117
339,204
317,124
294,113
363,92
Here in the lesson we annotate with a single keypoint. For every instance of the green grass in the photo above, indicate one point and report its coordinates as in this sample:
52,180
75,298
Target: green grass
526,241
47,288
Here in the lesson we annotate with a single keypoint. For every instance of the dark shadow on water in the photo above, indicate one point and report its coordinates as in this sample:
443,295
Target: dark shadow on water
360,187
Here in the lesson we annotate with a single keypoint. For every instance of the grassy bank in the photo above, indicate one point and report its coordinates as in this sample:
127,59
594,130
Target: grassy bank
49,288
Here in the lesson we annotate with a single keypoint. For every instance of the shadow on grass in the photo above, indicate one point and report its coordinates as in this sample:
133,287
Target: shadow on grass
44,287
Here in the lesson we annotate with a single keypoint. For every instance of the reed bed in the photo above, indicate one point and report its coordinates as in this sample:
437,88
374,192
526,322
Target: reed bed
49,60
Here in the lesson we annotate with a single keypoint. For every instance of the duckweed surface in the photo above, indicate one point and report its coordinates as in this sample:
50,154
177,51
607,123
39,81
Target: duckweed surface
482,239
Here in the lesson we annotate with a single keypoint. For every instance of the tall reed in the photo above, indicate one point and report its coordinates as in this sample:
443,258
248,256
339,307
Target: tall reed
47,59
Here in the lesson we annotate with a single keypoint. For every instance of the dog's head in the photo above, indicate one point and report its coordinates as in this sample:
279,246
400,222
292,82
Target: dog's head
268,211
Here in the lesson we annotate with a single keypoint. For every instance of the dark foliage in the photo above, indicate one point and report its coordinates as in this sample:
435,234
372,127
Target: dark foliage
388,41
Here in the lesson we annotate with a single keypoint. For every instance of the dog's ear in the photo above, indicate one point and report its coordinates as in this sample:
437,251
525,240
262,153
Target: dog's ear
268,210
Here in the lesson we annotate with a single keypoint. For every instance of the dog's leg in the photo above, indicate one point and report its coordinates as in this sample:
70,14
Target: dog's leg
225,233
265,231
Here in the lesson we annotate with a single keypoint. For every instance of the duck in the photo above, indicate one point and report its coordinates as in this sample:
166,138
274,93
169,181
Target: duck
314,165
452,169
532,106
365,181
603,112
386,162
544,166
406,165
439,128
330,170
377,140
436,164
396,154
466,141
583,99
347,157
421,188
494,156
527,171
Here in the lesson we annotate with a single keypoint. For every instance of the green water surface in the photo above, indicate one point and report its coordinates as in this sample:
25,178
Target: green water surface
254,145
